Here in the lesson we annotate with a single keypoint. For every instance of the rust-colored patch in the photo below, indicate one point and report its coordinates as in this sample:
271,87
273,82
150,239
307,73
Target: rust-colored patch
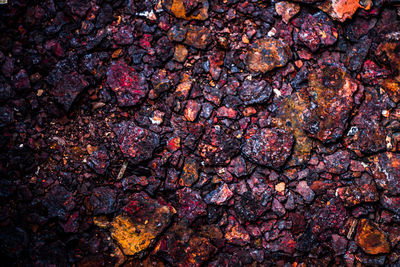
371,239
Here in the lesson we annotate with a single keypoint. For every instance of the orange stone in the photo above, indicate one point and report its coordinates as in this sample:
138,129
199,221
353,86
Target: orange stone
267,54
371,239
287,10
343,9
181,10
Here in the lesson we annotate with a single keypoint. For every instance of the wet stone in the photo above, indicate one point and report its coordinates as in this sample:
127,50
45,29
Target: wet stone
267,54
331,90
371,239
255,92
136,143
140,222
269,147
129,86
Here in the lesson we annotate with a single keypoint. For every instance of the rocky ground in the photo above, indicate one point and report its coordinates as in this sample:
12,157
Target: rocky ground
200,133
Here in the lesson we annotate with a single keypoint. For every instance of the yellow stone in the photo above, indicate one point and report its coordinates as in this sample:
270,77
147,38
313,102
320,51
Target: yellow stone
371,239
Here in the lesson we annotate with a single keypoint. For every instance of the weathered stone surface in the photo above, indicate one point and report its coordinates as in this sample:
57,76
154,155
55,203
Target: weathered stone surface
129,86
189,173
269,147
337,162
305,191
386,170
371,239
192,110
141,221
317,31
289,115
255,92
187,9
343,9
217,146
331,89
355,195
267,54
68,89
180,246
191,204
220,195
367,132
135,142
287,10
198,37
235,233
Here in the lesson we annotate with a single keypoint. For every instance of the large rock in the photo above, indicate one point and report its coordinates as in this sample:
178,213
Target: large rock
343,9
386,170
187,9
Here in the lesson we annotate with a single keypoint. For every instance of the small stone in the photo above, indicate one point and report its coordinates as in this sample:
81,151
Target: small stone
99,161
129,86
343,9
103,200
305,191
354,195
135,142
371,239
386,170
278,208
287,10
255,92
267,54
331,89
339,244
337,162
198,37
317,31
180,53
191,205
139,224
269,147
192,110
187,9
235,233
21,81
220,195
68,88
189,173
280,187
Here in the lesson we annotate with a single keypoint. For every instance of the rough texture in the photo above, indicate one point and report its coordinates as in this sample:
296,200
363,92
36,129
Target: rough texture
267,54
269,147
